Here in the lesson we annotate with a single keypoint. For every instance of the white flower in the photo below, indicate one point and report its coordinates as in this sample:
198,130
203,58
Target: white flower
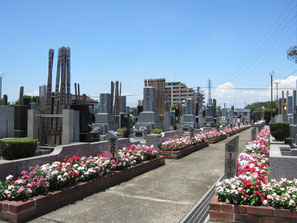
265,202
9,177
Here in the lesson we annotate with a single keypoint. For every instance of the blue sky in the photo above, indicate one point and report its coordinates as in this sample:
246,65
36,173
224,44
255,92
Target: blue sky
187,41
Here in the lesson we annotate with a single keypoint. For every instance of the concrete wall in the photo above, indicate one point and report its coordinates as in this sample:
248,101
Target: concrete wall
14,167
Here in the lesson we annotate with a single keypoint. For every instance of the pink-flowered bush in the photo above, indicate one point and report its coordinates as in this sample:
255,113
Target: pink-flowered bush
50,177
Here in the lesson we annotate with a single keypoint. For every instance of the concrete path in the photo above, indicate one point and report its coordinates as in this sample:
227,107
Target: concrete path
165,194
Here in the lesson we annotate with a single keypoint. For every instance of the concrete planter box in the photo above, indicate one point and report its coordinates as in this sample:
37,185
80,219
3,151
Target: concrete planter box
184,152
222,212
20,211
217,139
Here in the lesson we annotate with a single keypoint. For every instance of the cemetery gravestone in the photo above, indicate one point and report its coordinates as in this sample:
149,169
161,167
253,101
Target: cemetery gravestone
105,120
149,118
113,145
231,154
253,134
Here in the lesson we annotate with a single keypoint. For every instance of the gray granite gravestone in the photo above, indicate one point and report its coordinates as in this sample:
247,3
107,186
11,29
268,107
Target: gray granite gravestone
231,154
104,120
188,116
6,121
253,134
167,121
123,108
113,145
290,104
148,118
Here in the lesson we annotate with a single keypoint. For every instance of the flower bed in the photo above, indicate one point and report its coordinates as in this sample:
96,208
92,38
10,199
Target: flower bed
73,175
184,152
216,139
176,148
244,196
222,212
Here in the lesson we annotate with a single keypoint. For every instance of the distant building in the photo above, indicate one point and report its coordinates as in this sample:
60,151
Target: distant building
177,93
89,100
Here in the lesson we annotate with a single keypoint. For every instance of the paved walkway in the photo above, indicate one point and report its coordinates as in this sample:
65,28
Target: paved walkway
165,194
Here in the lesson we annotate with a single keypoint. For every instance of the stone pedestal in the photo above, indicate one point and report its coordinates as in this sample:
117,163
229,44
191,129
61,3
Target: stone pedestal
34,125
149,119
70,126
281,118
153,139
105,122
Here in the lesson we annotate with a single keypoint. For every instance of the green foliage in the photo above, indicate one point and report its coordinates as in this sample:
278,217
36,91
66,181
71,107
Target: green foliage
122,130
173,107
279,130
31,99
257,111
267,117
156,131
17,148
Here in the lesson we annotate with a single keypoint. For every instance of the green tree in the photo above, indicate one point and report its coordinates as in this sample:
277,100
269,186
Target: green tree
257,110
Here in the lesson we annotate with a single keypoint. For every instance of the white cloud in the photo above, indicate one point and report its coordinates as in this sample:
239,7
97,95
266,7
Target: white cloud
35,93
285,84
224,91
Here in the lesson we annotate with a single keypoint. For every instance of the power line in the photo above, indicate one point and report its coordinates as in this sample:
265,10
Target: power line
262,61
266,46
260,40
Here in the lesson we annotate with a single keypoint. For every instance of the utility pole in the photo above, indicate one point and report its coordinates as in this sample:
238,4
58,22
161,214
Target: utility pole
276,83
271,73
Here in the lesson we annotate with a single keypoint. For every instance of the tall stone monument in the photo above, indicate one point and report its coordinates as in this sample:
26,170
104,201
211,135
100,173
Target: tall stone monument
57,124
149,118
104,120
189,120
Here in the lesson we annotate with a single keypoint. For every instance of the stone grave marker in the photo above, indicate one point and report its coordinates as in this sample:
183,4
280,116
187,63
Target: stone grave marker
290,104
231,154
253,134
113,145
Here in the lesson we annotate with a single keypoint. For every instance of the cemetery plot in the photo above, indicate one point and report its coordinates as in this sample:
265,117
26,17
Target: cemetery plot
249,197
176,148
46,187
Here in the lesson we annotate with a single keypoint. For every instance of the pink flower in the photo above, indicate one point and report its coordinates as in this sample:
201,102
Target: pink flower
265,202
21,189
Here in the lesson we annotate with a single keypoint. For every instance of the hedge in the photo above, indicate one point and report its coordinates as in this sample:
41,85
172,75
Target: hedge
17,148
156,131
280,130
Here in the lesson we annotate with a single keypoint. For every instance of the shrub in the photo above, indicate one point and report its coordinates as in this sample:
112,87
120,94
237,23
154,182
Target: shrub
280,130
156,131
122,130
17,148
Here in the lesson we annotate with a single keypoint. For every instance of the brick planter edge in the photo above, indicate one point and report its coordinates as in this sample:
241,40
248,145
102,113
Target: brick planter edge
20,211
